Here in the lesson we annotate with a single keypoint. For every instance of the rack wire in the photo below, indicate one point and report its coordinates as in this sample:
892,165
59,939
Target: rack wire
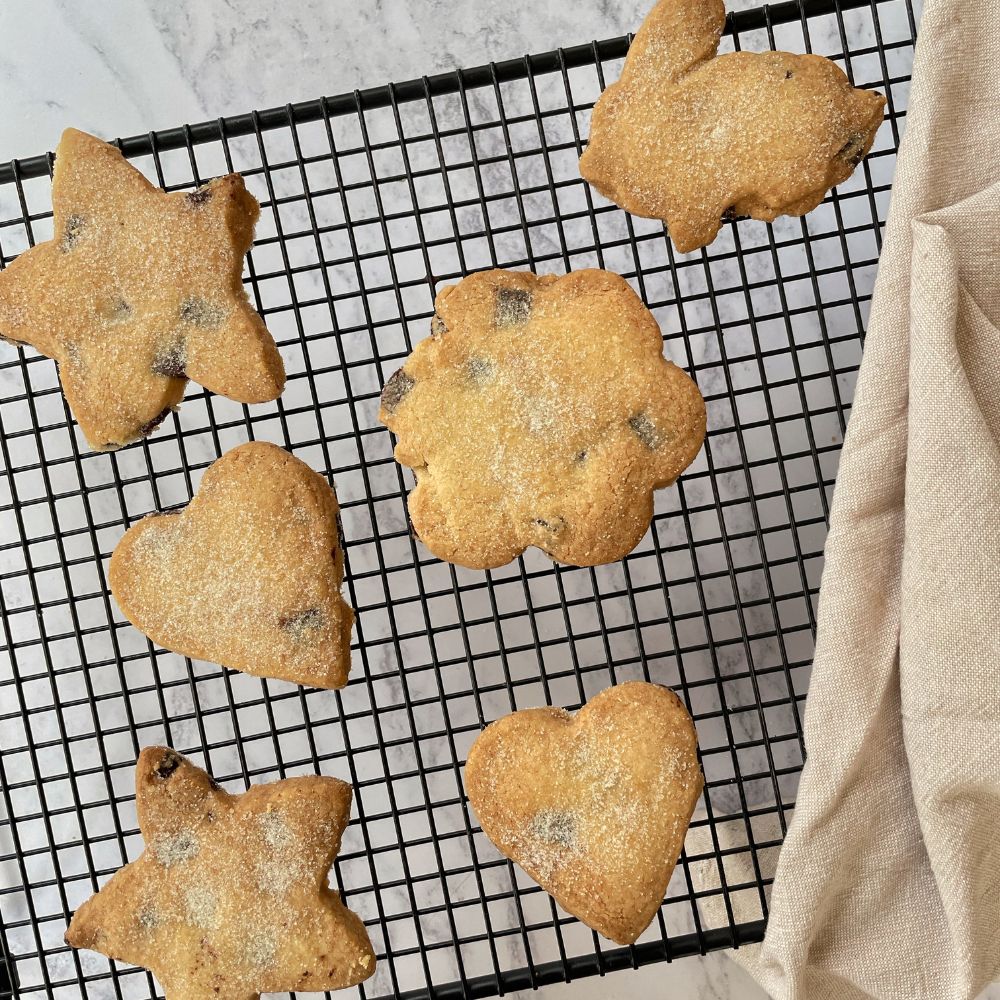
371,202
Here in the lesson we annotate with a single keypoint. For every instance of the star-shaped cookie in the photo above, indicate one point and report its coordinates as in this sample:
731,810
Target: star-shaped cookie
247,575
594,807
541,411
137,292
691,137
230,897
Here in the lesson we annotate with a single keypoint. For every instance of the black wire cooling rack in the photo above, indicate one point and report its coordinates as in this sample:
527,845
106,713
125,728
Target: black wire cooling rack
372,201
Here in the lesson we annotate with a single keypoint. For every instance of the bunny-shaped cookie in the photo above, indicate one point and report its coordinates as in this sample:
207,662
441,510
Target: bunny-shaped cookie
693,138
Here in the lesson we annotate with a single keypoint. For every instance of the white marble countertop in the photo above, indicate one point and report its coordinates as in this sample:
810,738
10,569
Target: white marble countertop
127,66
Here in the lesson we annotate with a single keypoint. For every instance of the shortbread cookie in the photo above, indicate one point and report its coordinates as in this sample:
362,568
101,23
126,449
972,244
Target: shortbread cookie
691,138
139,291
541,411
594,807
247,575
230,897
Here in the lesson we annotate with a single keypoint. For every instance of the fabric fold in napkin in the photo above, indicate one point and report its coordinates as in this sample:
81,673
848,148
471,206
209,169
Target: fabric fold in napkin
888,883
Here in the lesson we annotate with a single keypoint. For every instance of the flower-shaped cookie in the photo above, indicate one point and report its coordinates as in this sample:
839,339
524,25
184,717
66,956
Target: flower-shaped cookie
230,897
247,575
541,411
139,291
595,806
691,138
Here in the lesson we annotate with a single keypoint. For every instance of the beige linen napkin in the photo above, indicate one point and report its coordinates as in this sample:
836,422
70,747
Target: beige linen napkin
888,884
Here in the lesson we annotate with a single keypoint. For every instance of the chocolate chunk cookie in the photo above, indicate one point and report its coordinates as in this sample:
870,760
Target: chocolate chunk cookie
540,412
247,575
594,807
137,292
230,897
691,137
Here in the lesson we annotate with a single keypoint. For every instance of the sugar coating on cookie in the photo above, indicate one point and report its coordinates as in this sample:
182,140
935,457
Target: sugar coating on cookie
248,575
137,292
692,138
593,806
542,412
230,897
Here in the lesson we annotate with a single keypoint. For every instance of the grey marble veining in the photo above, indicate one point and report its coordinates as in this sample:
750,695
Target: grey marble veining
124,67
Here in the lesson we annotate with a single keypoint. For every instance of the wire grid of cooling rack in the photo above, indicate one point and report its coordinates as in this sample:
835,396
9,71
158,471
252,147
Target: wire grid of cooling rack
371,202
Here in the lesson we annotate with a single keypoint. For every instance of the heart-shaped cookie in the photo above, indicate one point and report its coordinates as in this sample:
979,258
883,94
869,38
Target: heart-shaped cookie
594,807
247,575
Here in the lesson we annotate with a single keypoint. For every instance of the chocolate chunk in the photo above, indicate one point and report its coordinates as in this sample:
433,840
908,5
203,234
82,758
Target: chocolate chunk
729,215
199,196
120,309
854,149
170,360
169,763
437,326
167,510
789,74
645,431
114,309
480,369
513,307
146,429
74,356
72,233
395,390
554,826
299,624
553,525
201,313
580,456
